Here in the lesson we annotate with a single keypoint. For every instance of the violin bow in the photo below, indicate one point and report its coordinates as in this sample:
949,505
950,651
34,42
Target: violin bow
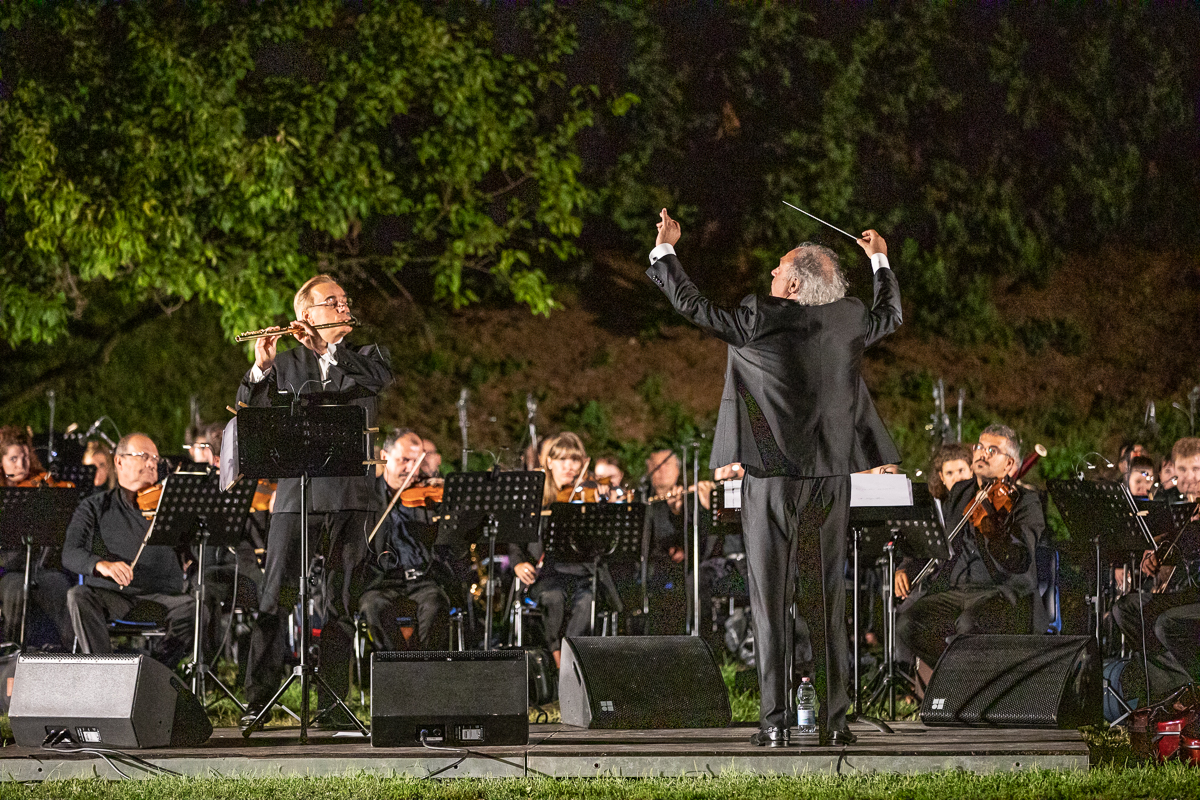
403,485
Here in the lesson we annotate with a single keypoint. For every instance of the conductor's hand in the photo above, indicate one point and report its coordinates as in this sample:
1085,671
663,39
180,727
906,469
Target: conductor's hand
264,352
310,338
872,243
525,573
902,586
119,571
668,230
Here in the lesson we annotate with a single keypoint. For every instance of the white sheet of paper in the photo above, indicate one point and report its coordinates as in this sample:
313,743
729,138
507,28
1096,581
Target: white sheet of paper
733,493
880,490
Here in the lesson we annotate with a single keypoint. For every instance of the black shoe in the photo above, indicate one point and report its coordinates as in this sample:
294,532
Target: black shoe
771,737
838,738
251,713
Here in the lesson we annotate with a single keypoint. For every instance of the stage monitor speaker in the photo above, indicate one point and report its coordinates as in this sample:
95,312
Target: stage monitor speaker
1015,681
453,698
626,682
125,702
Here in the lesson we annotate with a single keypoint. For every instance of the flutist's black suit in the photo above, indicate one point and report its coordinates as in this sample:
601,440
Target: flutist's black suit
797,414
341,514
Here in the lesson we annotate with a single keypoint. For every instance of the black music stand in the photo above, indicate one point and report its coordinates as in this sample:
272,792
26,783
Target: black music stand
193,508
595,532
1103,513
34,517
303,440
876,533
82,475
504,507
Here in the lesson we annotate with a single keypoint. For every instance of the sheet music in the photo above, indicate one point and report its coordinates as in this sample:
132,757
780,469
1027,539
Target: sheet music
880,490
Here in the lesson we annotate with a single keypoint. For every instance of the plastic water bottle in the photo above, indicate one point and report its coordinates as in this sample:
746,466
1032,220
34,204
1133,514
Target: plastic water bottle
806,708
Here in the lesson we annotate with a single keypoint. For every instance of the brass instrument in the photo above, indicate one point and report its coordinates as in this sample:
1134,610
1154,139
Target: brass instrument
293,330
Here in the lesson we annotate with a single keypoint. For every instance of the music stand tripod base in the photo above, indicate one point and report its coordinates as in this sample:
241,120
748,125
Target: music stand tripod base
303,441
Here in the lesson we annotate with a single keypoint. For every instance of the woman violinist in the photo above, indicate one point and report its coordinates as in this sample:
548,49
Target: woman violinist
555,583
48,586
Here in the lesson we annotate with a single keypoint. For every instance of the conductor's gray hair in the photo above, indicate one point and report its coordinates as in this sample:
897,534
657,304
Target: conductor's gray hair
820,275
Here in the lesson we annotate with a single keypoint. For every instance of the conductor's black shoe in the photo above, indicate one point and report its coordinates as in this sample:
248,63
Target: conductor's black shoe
838,738
771,737
247,719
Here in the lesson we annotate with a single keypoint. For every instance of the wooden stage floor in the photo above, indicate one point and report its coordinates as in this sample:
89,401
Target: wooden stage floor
564,751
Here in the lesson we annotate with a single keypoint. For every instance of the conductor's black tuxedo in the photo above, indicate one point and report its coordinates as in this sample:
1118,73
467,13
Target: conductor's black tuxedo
341,515
797,415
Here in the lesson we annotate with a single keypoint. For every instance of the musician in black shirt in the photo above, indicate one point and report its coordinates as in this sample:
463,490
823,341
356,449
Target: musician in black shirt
102,542
401,568
991,582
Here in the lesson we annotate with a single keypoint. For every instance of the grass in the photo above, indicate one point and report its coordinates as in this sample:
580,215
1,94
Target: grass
1172,781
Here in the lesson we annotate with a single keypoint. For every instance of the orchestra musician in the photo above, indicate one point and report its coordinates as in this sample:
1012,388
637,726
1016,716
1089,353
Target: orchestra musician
670,578
610,479
950,465
796,414
402,571
103,540
48,586
555,584
222,565
99,455
1139,477
992,581
342,510
1172,617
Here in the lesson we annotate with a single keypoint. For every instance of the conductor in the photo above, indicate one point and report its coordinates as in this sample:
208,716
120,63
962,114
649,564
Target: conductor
797,415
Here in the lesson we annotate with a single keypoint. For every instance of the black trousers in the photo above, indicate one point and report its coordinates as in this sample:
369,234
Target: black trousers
338,543
1172,623
924,626
552,592
798,527
92,608
422,600
47,602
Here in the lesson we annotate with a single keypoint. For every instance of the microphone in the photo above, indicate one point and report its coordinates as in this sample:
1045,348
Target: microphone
94,426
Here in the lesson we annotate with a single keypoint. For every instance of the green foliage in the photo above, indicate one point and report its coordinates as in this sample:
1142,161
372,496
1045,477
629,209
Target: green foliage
229,152
984,142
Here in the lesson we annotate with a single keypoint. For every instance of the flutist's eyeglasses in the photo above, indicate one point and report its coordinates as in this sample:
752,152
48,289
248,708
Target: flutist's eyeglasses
149,458
336,303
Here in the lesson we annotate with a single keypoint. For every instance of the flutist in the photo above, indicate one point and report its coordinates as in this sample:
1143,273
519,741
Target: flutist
341,509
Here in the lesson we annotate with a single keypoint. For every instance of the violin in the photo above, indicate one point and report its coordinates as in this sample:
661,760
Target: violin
990,512
147,500
584,492
421,496
44,478
262,495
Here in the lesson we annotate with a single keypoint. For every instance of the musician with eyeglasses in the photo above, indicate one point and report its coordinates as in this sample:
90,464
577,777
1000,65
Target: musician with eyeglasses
102,542
990,585
341,510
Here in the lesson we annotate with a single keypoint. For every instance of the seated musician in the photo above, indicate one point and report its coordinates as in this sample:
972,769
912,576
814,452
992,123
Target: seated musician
1140,478
1171,609
610,479
951,464
670,580
103,540
554,584
48,585
224,564
99,455
431,467
992,580
402,572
